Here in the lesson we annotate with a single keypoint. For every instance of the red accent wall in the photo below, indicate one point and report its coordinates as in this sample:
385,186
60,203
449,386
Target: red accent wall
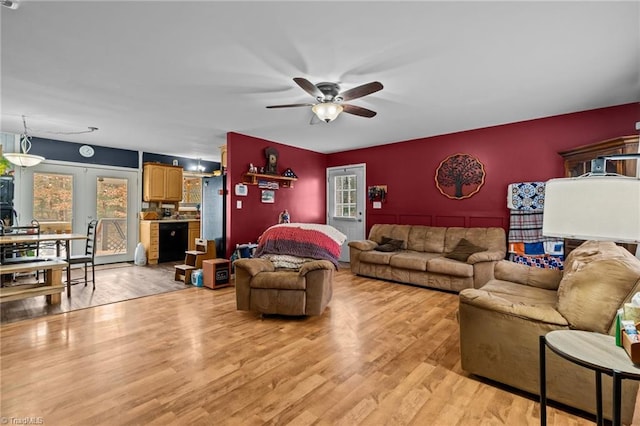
306,201
518,152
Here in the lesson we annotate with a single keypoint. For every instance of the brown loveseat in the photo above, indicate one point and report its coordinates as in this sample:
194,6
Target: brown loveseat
260,287
421,259
501,322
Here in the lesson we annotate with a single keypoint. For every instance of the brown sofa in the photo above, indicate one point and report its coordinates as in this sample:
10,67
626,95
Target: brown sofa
501,322
421,258
260,287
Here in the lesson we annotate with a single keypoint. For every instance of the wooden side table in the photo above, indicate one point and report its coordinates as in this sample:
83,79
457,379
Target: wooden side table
216,273
595,351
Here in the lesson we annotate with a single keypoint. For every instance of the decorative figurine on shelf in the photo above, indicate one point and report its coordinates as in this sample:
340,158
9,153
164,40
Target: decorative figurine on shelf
272,161
198,211
289,173
252,168
284,217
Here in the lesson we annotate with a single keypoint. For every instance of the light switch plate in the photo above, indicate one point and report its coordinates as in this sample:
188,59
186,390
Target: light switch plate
377,204
238,204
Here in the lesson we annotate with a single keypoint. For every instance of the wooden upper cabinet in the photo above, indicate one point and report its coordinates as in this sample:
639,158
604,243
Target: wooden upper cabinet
161,182
174,184
577,161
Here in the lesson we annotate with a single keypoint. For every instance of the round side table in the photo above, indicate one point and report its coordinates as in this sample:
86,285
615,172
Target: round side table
595,351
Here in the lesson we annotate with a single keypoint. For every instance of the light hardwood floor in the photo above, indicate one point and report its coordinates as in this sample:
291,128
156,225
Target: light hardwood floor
381,353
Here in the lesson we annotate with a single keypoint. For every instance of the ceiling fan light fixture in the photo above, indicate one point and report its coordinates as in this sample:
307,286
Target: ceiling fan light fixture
327,111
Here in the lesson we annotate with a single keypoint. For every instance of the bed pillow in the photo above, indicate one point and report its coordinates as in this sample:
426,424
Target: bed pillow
463,250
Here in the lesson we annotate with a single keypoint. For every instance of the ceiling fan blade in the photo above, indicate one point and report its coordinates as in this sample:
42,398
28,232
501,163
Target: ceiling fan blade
309,87
289,106
356,110
360,91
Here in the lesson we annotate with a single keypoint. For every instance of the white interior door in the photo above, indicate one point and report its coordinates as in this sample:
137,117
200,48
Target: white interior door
346,203
67,197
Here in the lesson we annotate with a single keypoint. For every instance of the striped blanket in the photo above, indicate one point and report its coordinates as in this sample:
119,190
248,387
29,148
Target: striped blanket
306,241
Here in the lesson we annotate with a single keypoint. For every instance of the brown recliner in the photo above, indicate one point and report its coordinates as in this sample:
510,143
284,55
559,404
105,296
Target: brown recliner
500,323
260,287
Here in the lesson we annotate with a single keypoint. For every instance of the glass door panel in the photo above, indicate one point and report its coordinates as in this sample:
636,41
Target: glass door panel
111,209
65,198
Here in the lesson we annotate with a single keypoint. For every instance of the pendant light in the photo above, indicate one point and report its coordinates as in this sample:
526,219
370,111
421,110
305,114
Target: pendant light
24,159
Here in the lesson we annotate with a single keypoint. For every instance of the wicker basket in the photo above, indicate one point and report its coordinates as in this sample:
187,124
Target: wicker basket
148,215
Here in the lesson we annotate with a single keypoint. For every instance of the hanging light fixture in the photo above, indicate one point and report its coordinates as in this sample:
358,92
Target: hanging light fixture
327,111
24,159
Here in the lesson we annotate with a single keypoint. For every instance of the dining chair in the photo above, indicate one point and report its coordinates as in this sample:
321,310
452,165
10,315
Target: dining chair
20,252
88,258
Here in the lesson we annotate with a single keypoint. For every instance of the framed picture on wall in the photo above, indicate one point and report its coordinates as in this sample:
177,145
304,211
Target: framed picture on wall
268,196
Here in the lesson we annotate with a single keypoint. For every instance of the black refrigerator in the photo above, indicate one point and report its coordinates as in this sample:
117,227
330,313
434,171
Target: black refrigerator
7,212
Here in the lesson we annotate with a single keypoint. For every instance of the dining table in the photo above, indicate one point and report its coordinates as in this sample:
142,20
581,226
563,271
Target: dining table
58,239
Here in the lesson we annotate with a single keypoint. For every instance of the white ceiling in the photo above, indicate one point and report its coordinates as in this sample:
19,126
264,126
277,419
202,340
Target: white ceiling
174,77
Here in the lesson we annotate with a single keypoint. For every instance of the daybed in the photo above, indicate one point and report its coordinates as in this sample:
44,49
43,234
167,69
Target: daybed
450,258
501,322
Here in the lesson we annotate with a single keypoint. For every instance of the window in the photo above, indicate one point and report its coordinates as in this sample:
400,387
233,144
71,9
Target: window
345,193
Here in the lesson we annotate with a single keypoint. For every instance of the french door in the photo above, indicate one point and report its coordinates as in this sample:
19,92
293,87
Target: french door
346,203
65,198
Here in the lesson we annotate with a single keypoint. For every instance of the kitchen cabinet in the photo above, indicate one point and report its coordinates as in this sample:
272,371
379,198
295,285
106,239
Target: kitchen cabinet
194,233
150,239
162,182
577,161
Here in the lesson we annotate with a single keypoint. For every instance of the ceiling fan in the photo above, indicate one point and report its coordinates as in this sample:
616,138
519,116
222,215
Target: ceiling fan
330,99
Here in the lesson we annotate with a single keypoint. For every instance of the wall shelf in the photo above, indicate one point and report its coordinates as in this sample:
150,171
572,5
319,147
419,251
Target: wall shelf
253,178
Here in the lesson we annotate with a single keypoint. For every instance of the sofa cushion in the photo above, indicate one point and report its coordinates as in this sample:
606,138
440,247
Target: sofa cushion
463,250
598,277
426,238
412,260
442,265
376,257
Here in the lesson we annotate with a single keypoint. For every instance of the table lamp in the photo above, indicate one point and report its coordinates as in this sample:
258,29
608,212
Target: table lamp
594,206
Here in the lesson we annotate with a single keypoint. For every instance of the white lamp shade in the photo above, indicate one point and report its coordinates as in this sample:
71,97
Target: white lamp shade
327,111
23,160
603,208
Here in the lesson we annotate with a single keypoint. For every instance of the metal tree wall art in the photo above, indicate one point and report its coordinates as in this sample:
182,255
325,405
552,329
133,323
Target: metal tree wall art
459,176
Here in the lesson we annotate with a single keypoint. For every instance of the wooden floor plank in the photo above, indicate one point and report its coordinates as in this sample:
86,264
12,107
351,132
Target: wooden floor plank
382,353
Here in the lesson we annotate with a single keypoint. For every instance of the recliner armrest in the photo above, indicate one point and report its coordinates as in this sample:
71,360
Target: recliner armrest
255,265
315,265
527,275
492,302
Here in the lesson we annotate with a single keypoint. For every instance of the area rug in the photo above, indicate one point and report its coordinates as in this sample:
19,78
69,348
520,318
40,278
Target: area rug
114,283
